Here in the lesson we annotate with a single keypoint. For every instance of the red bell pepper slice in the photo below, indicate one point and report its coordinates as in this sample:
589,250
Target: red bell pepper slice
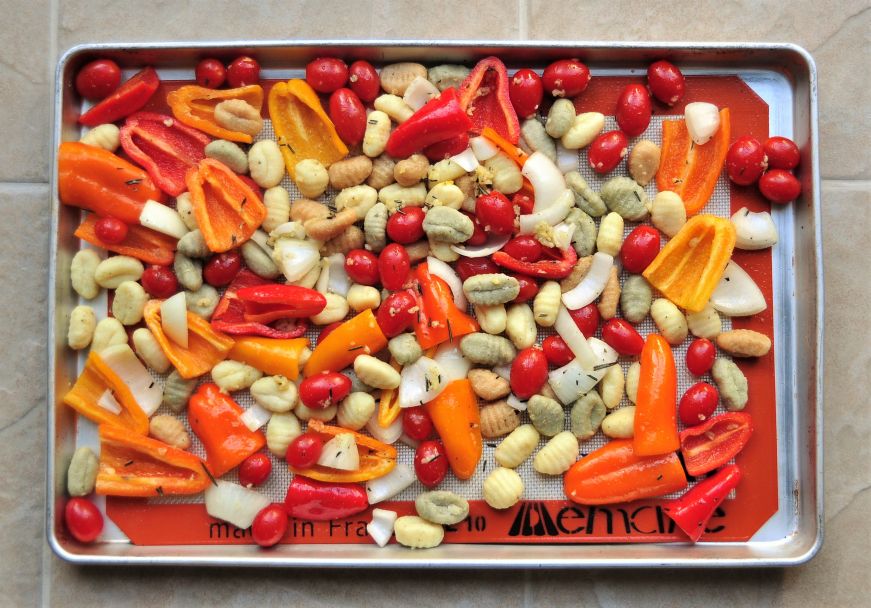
130,97
438,319
141,243
484,96
545,269
321,501
712,444
441,118
693,510
265,303
165,147
229,315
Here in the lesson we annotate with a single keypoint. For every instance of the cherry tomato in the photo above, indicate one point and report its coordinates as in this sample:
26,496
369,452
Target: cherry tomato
700,356
222,268
242,72
393,265
622,337
565,78
745,161
362,266
525,248
447,148
607,150
98,79
210,73
782,153
83,519
406,225
698,403
523,201
395,313
430,463
327,330
528,288
326,74
587,319
416,423
528,372
633,110
304,450
323,390
666,82
526,91
557,351
111,230
495,212
639,248
469,267
269,525
348,115
779,186
364,80
255,469
159,281
479,237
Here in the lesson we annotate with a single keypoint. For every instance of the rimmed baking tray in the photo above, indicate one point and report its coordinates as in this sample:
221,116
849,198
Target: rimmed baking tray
782,75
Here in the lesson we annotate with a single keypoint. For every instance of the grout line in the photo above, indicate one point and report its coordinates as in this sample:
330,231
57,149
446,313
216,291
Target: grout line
522,20
858,183
23,185
527,584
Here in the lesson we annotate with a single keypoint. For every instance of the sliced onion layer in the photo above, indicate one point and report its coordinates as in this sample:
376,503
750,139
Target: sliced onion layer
737,295
552,216
547,180
452,362
421,382
592,284
439,269
494,243
483,148
466,159
385,488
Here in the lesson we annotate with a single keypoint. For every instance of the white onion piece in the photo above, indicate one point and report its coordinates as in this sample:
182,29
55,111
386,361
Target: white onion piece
503,371
421,382
381,526
108,402
562,235
452,362
385,435
419,92
412,443
123,361
262,239
566,160
233,503
163,219
339,281
753,230
483,148
295,257
703,120
494,243
255,417
174,319
466,159
569,331
552,216
516,403
340,453
547,180
737,295
323,278
293,230
592,284
572,380
388,486
439,269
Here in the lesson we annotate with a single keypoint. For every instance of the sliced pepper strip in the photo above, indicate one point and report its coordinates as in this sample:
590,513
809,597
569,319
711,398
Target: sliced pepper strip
456,418
97,378
693,510
302,127
141,243
229,315
128,98
135,465
206,347
360,335
615,473
270,356
388,406
545,268
195,106
265,303
715,442
442,118
511,151
656,403
438,319
691,264
484,96
377,459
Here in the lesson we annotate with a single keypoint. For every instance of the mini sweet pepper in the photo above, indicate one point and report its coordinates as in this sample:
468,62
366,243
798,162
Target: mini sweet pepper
438,318
377,459
456,418
142,243
195,106
442,118
359,335
229,315
128,98
693,510
484,96
313,500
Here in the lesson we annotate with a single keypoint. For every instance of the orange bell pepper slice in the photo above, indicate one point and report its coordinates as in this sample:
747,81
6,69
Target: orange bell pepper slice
94,381
270,355
656,405
438,319
195,106
691,264
135,465
358,336
513,152
206,347
141,243
302,127
615,473
388,406
377,459
690,170
455,415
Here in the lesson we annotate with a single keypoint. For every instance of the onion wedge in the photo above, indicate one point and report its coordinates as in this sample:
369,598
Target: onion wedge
593,283
494,243
737,295
552,216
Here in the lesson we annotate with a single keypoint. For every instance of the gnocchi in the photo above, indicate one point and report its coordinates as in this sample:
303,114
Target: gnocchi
82,472
281,430
670,321
233,376
148,349
355,410
375,372
517,446
129,302
520,326
620,424
706,323
612,387
610,237
546,415
177,391
503,488
417,533
265,163
83,270
275,393
83,322
546,304
492,319
376,134
587,415
498,419
557,455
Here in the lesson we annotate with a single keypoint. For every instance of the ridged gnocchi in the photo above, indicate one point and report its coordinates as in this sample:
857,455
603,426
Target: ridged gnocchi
557,455
706,323
610,237
546,304
376,134
417,533
492,319
503,488
546,414
498,419
612,386
148,349
355,410
670,321
636,298
232,375
520,326
620,424
275,393
281,430
375,372
587,415
517,446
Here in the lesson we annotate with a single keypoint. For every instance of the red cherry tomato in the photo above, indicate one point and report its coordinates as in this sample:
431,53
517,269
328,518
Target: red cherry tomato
269,525
607,150
83,519
416,423
327,330
348,115
557,351
406,225
393,266
159,281
633,110
782,153
111,230
242,72
639,248
779,186
326,74
622,337
98,79
222,268
362,266
323,390
479,237
495,212
666,82
700,356
304,451
469,267
364,81
430,463
447,148
395,313
523,201
210,73
528,288
255,469
698,403
524,248
565,78
587,319
528,372
745,161
526,91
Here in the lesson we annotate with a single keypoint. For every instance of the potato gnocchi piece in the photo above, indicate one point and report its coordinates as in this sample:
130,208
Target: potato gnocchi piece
560,118
396,77
395,197
82,472
113,271
626,198
488,385
410,171
405,349
336,309
203,301
177,391
228,153
520,326
732,384
375,227
233,376
491,289
417,533
484,349
363,297
148,349
586,199
610,237
445,194
375,372
275,393
557,455
537,139
706,323
394,106
580,270
643,161
359,198
447,75
83,322
620,424
669,320
382,172
258,259
668,213
266,164
507,178
281,430
583,131
189,272
546,304
498,419
238,115
377,133
447,225
546,414
584,237
193,245
442,251
502,488
612,386
610,295
632,376
170,430
129,302
636,298
517,446
303,412
185,207
355,410
443,171
106,136
83,269
492,319
349,172
587,415
442,507
417,251
744,343
108,332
